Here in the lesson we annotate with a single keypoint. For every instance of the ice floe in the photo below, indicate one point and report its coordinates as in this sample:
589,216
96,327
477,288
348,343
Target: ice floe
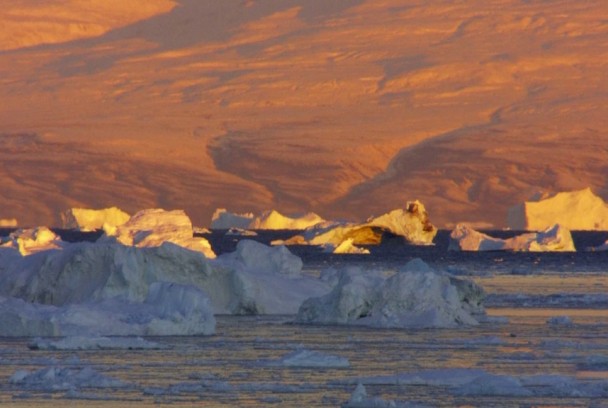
575,210
52,379
80,342
360,399
153,227
415,297
84,219
302,358
556,238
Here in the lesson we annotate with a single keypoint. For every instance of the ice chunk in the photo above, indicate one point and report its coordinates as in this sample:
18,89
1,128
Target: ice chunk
63,379
575,210
555,238
560,321
153,227
90,220
259,257
415,297
360,399
313,359
274,220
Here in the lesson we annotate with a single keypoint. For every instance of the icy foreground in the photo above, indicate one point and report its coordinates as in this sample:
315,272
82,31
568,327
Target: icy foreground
412,223
575,210
554,239
84,219
415,297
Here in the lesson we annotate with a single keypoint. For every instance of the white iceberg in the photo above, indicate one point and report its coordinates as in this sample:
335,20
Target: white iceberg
85,219
32,240
411,223
153,227
256,279
360,399
415,297
556,238
222,219
575,210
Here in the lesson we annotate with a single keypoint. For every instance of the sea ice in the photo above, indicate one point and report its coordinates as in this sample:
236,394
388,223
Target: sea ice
555,238
81,342
62,379
303,358
416,296
153,227
90,220
222,219
360,399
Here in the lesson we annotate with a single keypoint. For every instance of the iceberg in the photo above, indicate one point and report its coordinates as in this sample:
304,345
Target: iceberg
168,310
90,220
554,239
32,240
411,223
345,247
255,279
222,219
575,210
153,227
268,220
415,297
8,223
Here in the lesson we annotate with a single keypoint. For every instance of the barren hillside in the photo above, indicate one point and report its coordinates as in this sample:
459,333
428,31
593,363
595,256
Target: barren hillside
345,108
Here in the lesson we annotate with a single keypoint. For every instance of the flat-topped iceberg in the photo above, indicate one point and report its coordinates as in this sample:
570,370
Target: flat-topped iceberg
268,220
32,240
411,223
415,297
153,227
554,239
575,210
85,219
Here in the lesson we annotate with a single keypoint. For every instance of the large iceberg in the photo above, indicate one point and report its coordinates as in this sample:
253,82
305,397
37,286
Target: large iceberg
85,219
222,219
412,223
256,279
415,297
576,210
556,238
32,240
153,227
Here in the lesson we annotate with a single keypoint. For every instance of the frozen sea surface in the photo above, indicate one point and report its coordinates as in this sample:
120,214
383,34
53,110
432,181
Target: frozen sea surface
544,346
